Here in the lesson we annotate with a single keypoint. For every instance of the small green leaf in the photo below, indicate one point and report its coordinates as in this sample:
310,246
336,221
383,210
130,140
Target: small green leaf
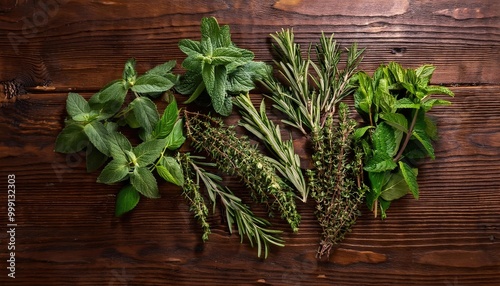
426,142
395,188
218,36
152,83
131,120
176,138
147,152
166,123
118,146
384,140
76,105
406,103
94,158
190,48
380,162
170,170
428,104
436,89
115,91
396,120
145,112
126,200
72,139
163,69
114,172
144,182
360,132
129,72
410,176
98,136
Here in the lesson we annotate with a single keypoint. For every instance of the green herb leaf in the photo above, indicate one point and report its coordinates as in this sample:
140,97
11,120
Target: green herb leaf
72,139
114,172
152,83
166,123
118,146
170,170
218,36
163,69
129,73
145,112
76,106
144,182
98,136
406,103
396,120
410,176
384,140
380,162
395,188
94,158
147,152
176,138
126,200
214,78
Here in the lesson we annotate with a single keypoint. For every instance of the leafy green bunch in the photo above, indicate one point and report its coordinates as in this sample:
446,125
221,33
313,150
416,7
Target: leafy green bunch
393,104
216,66
94,127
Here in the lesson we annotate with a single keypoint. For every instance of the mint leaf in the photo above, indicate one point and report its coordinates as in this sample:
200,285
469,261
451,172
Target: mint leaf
98,136
396,120
384,140
94,158
395,188
406,103
190,48
425,141
118,146
129,72
214,78
163,69
147,152
225,56
76,106
144,182
115,91
72,139
114,172
170,170
176,138
218,36
166,123
126,200
145,112
380,162
410,176
152,83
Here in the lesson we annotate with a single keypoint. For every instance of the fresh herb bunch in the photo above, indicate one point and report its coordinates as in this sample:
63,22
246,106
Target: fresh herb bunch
336,181
287,161
236,213
235,155
311,91
215,65
398,132
93,127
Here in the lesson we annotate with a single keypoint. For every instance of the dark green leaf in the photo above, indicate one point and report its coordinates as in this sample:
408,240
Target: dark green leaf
426,142
410,176
147,152
215,82
218,36
166,123
131,120
190,48
384,140
72,139
115,91
118,145
98,136
115,171
145,112
170,170
126,200
406,103
189,82
380,162
94,158
176,138
144,182
76,105
152,83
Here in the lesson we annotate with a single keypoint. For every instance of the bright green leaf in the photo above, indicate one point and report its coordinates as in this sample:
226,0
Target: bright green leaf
129,72
360,132
144,182
410,176
76,105
163,69
152,83
396,120
406,103
166,123
126,200
170,170
147,152
190,48
384,140
395,188
380,162
176,138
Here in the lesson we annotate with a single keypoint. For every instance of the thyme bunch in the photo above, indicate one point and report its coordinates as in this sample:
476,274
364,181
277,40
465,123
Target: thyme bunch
236,213
336,179
235,155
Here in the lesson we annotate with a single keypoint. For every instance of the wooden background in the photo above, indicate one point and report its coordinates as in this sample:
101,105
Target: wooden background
67,235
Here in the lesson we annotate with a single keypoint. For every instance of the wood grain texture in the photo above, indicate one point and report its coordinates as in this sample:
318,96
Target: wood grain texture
67,234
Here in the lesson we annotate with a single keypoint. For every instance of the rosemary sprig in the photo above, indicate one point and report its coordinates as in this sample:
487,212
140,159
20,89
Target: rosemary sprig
336,180
288,162
254,228
311,90
237,156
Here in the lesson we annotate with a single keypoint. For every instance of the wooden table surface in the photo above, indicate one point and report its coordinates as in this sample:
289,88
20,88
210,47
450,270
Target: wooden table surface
66,233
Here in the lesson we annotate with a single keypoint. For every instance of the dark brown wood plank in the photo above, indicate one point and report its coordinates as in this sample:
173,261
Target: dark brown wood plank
82,45
67,234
